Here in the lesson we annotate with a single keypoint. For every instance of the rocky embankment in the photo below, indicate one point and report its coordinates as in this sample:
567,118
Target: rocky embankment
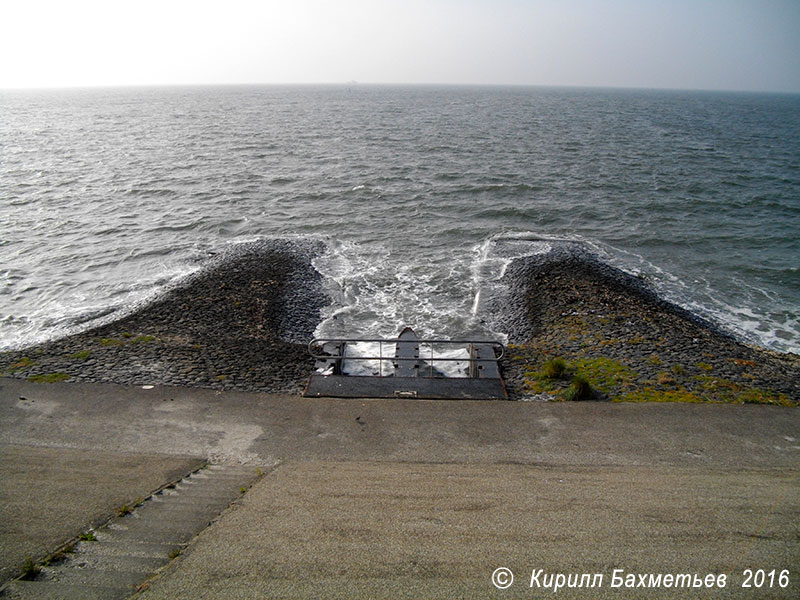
241,323
627,343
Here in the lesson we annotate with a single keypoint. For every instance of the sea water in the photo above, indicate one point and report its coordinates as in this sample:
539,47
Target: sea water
422,194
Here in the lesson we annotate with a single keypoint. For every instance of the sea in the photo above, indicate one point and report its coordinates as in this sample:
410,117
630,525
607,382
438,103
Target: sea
421,194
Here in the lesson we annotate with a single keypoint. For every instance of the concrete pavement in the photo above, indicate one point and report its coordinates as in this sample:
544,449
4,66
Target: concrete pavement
261,429
400,498
316,529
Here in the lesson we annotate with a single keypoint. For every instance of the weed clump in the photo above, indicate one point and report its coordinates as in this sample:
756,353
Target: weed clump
579,390
554,368
30,569
665,378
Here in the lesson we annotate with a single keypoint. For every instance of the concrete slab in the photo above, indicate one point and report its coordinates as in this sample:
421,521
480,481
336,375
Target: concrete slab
49,495
399,530
402,498
263,429
25,590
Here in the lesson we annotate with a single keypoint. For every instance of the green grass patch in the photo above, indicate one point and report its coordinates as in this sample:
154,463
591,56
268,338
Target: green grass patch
653,395
88,536
704,366
604,374
106,342
579,379
549,377
60,555
49,377
757,396
538,383
82,355
723,390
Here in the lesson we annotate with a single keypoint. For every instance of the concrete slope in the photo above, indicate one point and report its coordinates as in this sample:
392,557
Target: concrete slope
50,495
398,530
132,547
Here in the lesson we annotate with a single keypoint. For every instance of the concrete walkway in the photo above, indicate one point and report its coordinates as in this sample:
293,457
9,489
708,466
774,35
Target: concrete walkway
397,498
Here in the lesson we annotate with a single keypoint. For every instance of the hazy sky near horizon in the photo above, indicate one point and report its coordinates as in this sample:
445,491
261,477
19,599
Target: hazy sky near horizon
751,45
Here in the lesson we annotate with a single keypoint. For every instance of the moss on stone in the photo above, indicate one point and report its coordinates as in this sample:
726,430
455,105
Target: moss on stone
49,377
605,374
724,390
23,363
649,394
758,396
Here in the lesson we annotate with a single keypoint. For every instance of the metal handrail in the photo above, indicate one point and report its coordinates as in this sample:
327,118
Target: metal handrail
322,341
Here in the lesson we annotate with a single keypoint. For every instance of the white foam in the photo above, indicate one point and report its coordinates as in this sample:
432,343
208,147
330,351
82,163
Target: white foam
364,359
429,353
365,367
377,290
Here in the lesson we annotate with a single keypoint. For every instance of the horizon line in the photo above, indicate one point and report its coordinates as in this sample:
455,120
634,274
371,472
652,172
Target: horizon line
99,86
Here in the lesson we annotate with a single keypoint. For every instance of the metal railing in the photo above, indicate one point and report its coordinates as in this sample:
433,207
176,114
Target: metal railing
318,348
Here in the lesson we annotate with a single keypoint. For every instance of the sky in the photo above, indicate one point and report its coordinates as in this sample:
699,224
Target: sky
748,45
